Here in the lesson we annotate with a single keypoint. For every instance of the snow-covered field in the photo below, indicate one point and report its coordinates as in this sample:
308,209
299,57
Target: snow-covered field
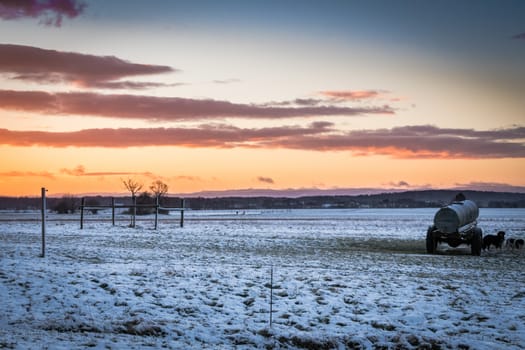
341,279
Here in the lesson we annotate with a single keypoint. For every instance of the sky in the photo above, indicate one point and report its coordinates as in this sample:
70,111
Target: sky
224,95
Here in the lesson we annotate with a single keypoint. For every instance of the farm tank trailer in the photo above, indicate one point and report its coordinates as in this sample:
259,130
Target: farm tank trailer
456,224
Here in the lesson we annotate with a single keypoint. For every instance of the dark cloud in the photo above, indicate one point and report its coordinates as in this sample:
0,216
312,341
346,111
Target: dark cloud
419,142
80,170
212,135
49,66
519,36
402,142
50,12
267,180
154,108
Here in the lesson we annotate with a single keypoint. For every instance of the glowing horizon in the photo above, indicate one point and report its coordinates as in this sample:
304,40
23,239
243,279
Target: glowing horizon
325,96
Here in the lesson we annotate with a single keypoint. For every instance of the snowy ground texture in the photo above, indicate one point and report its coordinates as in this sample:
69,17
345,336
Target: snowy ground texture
342,279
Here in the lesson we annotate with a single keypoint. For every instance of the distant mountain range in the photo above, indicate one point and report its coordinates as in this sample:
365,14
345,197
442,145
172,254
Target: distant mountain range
307,192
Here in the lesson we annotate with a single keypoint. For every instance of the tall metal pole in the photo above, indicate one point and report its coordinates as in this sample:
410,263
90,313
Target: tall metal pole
182,212
82,203
134,211
271,295
44,209
113,210
156,211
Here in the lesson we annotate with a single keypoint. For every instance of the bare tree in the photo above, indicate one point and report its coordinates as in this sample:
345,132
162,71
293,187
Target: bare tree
133,186
159,188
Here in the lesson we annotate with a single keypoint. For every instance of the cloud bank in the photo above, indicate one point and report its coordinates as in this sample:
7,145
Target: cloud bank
423,141
80,170
153,108
32,64
50,12
88,71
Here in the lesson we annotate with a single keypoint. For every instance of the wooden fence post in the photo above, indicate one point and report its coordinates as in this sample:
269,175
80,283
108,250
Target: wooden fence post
82,203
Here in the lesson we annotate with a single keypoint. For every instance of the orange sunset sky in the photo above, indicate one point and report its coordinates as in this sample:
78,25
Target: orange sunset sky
224,95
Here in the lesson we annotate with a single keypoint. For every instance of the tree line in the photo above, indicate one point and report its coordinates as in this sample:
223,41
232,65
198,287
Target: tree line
409,199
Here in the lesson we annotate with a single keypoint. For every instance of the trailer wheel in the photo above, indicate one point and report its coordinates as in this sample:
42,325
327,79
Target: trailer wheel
431,242
477,238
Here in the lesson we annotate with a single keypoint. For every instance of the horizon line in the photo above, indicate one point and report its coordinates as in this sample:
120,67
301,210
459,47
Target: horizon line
289,192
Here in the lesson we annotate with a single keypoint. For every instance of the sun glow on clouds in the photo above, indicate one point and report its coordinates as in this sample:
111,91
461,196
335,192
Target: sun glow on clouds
255,112
417,142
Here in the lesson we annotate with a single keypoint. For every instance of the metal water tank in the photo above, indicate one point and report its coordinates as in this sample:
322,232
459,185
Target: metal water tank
455,216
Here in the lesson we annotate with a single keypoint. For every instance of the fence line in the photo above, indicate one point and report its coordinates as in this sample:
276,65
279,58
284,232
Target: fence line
133,206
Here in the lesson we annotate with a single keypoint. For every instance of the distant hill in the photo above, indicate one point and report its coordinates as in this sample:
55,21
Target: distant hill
407,199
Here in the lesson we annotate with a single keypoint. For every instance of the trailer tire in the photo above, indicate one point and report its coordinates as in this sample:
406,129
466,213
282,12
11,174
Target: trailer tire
477,238
430,241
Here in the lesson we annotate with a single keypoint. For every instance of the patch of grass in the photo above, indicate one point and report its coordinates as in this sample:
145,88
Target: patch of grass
4,345
106,287
350,301
519,295
477,317
413,340
301,327
265,332
240,340
323,319
360,311
383,326
137,273
450,287
137,327
231,331
311,344
243,294
249,302
321,301
73,328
